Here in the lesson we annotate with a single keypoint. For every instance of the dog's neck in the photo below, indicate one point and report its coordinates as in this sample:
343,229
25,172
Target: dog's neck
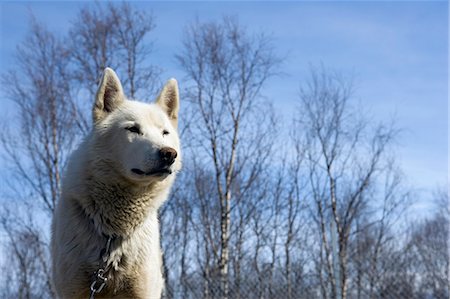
118,208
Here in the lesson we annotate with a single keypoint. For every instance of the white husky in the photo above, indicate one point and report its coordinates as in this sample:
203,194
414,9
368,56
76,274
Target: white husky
105,239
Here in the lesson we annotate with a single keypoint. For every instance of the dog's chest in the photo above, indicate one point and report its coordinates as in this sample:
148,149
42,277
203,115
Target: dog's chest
135,263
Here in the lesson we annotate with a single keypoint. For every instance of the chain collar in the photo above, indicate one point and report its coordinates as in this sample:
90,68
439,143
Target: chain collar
101,278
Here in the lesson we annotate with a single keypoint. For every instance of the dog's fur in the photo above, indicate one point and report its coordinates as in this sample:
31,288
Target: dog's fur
104,195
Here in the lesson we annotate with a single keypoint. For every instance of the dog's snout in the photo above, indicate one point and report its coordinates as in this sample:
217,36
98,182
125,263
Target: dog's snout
167,155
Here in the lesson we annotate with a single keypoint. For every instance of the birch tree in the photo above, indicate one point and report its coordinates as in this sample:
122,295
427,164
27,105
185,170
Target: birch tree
227,69
116,36
344,158
38,145
430,249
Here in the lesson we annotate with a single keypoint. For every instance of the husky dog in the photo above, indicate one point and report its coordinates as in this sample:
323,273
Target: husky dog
105,231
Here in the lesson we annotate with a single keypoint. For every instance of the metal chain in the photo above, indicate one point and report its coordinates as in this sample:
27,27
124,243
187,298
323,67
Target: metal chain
100,275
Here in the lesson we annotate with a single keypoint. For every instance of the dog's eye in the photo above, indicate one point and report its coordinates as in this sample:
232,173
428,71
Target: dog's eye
165,132
134,129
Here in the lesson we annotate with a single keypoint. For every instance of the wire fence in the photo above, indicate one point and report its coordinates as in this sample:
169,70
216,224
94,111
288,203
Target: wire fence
250,287
400,275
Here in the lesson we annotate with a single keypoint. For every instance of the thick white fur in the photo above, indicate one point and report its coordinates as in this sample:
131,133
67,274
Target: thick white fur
102,197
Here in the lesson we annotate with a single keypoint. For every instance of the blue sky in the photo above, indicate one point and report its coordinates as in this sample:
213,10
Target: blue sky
398,52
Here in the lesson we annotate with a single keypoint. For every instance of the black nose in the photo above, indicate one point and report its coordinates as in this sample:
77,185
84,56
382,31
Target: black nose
167,155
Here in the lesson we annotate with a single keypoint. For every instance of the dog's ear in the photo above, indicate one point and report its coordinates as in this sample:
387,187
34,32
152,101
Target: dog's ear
109,95
168,100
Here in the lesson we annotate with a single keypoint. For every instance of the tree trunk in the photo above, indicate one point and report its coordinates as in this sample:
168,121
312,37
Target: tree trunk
224,241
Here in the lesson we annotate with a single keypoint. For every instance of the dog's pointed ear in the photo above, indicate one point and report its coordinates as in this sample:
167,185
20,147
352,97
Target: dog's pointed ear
168,100
109,95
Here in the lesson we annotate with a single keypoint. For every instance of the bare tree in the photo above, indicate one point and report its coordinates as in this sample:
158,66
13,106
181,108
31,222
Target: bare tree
116,36
372,242
46,113
429,246
177,218
131,28
47,130
227,69
344,157
275,218
28,267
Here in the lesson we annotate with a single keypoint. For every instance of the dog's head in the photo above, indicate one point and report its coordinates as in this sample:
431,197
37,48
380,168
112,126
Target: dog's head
138,140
